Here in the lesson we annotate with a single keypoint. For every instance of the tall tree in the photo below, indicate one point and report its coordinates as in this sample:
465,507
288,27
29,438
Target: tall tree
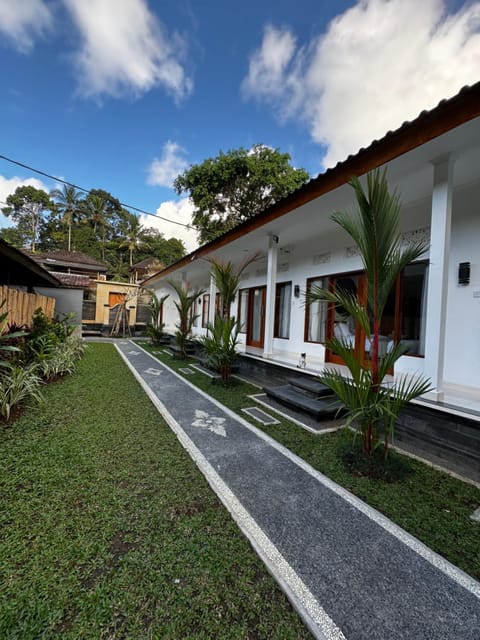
95,210
68,201
236,186
134,236
27,207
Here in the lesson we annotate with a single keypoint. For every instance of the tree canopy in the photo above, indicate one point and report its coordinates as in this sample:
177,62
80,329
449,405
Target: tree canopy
236,186
94,223
27,207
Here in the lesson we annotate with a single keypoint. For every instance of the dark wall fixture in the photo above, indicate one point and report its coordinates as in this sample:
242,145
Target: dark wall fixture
464,273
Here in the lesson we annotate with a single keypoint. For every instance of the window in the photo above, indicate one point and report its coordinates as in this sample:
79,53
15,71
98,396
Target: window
205,309
283,301
316,316
242,309
413,299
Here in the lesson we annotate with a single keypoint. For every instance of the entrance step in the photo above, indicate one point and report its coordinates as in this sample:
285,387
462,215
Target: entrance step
313,386
321,409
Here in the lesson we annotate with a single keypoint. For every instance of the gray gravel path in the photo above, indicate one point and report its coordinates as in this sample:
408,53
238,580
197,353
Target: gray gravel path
349,571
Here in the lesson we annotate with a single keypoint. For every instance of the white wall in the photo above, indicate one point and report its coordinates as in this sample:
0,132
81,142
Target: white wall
462,354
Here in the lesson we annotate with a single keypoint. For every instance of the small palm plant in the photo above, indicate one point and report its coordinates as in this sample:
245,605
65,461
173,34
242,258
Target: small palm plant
227,279
222,339
220,345
185,305
372,407
155,326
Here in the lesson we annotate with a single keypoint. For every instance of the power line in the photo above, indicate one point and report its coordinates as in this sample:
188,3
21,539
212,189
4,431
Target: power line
78,188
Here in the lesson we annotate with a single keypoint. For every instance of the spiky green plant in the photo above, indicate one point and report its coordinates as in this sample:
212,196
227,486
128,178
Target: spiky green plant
154,329
185,305
227,279
17,385
220,345
374,228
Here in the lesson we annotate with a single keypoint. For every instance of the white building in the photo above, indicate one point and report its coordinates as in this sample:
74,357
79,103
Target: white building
434,164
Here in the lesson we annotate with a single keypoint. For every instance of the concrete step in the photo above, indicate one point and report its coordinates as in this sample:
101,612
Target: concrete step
321,409
312,385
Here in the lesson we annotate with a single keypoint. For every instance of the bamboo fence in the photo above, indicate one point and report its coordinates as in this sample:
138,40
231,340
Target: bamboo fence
21,305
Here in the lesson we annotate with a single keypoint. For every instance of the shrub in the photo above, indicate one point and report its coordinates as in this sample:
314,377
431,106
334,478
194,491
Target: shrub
17,385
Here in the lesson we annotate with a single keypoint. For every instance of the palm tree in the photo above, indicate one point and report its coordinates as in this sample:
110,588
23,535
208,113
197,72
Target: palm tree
375,230
227,279
68,201
95,208
185,305
133,239
220,345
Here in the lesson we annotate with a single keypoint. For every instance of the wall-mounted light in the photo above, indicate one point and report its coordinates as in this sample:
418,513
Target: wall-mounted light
274,238
296,291
464,273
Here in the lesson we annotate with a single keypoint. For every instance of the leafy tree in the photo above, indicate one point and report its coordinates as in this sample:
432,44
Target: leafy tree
13,236
27,207
68,201
372,407
236,186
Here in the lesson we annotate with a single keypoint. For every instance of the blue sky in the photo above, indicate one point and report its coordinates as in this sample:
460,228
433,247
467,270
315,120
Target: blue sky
124,94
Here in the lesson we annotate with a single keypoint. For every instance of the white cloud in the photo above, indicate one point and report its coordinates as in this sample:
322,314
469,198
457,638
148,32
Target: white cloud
180,210
126,50
9,185
163,171
22,22
378,64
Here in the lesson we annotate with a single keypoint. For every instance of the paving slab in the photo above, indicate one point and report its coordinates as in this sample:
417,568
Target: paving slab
350,572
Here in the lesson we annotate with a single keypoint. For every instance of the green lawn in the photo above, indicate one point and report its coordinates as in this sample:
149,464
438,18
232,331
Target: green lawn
108,530
429,504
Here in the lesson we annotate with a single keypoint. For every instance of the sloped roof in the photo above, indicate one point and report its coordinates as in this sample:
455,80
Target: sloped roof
143,264
448,114
74,280
17,268
69,258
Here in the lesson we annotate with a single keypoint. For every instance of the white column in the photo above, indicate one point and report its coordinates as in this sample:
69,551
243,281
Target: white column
440,233
211,306
270,298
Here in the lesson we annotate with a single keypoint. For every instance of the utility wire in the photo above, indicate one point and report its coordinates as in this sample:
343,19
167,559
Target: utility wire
75,186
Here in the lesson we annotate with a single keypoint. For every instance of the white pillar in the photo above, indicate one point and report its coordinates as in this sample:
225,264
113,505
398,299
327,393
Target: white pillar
270,298
440,233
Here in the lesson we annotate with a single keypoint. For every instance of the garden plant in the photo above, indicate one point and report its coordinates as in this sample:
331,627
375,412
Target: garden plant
373,407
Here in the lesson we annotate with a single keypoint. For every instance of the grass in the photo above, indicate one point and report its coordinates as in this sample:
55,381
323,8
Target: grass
429,504
110,531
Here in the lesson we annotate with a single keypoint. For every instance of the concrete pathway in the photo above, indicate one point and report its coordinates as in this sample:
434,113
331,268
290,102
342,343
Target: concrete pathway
349,571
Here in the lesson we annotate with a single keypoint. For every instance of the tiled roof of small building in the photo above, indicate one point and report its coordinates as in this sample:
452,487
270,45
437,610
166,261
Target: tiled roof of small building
71,257
73,280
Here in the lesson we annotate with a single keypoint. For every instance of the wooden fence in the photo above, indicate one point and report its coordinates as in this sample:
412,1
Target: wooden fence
21,305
